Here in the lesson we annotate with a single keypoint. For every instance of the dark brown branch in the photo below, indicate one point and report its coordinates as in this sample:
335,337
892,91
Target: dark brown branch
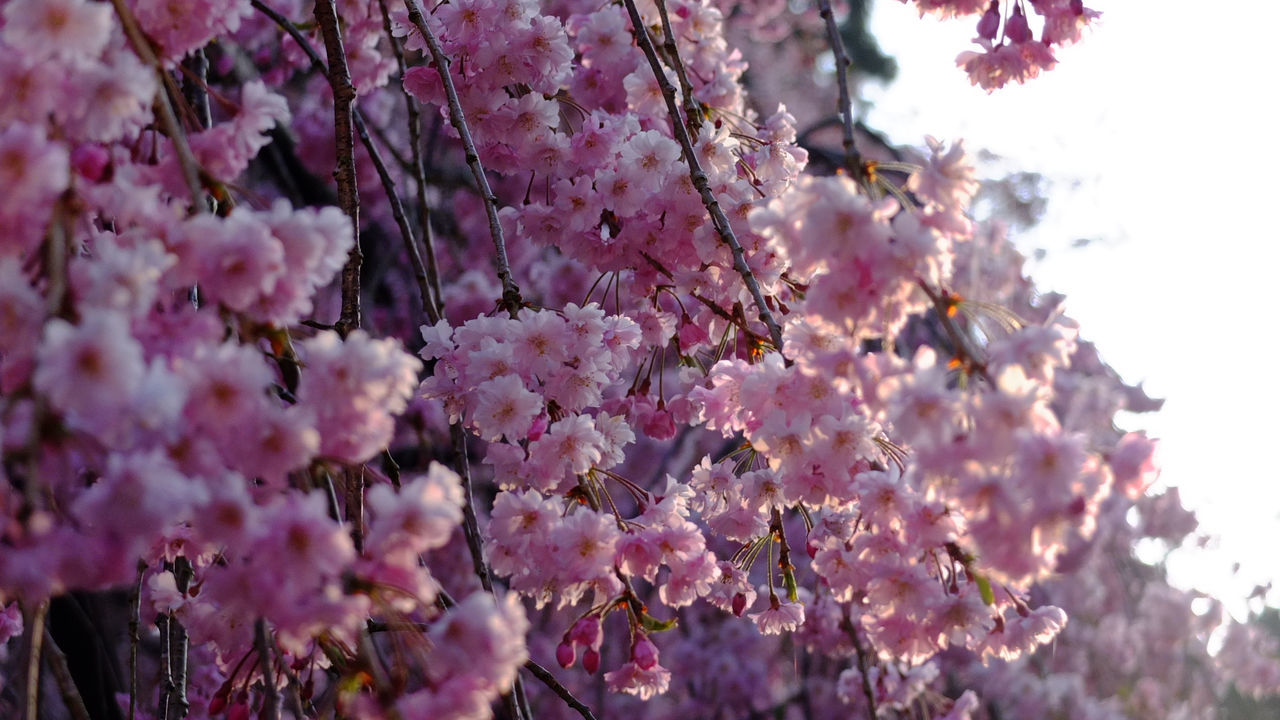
554,685
35,642
168,120
699,177
692,112
471,529
344,97
135,621
435,309
57,662
384,175
271,698
852,158
867,691
511,300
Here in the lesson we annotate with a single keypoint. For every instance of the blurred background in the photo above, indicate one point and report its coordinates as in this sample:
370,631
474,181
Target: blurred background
1153,145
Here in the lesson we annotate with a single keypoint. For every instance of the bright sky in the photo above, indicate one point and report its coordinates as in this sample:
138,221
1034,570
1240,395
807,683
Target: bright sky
1158,133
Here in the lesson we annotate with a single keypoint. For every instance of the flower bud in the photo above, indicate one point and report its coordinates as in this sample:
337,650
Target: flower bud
586,632
591,661
1017,28
989,25
566,654
644,653
739,604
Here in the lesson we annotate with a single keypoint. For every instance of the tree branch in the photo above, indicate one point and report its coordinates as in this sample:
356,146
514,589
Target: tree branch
344,96
699,177
511,300
57,662
852,158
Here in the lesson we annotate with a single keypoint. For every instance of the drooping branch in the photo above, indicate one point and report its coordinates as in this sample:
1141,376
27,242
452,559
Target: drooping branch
852,158
692,112
421,274
186,160
35,645
431,283
554,685
699,177
867,691
271,698
344,97
57,662
511,300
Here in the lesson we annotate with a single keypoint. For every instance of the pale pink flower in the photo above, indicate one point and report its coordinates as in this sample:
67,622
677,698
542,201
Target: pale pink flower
65,28
505,407
779,617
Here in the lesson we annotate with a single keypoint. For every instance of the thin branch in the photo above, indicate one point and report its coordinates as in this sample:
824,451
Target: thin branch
135,620
344,96
57,662
867,691
182,573
186,161
471,529
35,641
511,300
550,681
692,112
699,177
271,698
388,184
436,309
852,158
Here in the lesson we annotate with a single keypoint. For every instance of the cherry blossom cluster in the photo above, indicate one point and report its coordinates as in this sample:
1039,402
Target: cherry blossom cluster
1010,49
704,428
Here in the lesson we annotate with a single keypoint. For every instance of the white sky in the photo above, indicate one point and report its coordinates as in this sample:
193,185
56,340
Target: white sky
1158,132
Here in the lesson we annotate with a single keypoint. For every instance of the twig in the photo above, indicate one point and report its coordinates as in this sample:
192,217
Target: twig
550,681
57,662
186,161
271,698
355,506
388,184
511,300
35,642
471,529
699,177
537,670
434,310
344,96
135,620
944,309
182,573
692,113
867,691
195,88
852,158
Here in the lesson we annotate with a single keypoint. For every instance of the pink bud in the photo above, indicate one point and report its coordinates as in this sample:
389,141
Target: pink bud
566,654
990,22
538,427
739,604
660,426
90,161
644,653
591,661
586,632
1017,28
